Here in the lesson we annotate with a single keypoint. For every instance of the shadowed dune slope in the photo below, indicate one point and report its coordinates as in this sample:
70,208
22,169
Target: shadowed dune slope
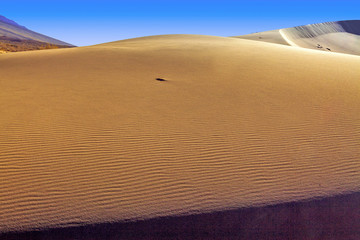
88,135
336,217
341,36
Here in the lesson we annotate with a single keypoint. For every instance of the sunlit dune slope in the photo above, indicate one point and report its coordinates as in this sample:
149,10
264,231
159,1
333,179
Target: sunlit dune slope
88,135
341,36
273,36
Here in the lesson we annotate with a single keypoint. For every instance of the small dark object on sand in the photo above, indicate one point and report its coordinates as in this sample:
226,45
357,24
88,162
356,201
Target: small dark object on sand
160,79
328,49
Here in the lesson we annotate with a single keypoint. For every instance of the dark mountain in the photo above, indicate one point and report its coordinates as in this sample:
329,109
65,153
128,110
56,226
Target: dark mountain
14,37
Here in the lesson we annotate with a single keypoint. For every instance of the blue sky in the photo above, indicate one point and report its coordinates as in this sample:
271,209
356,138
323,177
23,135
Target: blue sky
92,22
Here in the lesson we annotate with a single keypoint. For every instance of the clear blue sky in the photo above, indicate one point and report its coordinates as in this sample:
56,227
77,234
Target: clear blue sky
91,22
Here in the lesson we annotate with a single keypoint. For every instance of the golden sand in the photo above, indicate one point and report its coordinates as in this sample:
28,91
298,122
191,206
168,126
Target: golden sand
89,135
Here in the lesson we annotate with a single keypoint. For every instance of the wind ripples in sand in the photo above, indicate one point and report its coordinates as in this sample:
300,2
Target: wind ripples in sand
123,149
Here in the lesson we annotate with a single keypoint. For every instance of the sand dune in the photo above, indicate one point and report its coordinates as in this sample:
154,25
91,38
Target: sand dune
88,135
341,36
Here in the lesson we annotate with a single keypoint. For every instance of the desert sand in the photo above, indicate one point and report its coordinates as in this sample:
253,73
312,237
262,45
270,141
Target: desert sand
340,36
88,135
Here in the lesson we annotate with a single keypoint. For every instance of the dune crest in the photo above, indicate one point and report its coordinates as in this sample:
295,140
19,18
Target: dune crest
341,36
90,135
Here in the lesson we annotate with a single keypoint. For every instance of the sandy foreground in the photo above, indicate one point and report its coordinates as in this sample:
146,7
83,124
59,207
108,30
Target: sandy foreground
88,135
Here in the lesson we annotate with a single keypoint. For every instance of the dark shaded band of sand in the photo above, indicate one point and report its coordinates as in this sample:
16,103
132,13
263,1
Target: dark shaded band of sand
328,218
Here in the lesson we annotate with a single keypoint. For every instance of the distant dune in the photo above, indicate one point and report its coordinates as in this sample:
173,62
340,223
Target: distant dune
14,38
88,135
341,36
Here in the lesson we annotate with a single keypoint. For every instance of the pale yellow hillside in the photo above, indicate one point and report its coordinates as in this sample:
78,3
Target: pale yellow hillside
88,135
340,36
273,36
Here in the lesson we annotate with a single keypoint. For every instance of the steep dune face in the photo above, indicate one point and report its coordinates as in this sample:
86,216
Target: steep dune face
89,135
341,36
11,30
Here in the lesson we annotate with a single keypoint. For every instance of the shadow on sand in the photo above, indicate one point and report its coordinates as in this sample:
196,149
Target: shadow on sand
329,218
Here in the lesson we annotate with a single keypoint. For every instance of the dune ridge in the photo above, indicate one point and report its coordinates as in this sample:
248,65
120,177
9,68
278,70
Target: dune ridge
340,36
88,135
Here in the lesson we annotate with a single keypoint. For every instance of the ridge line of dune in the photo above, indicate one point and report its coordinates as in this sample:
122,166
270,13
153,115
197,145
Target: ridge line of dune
88,135
336,37
291,43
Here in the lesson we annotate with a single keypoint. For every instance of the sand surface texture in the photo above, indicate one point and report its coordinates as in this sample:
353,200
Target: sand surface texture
89,135
341,36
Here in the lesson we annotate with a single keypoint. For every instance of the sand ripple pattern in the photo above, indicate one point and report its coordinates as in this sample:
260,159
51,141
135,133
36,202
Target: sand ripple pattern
87,143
